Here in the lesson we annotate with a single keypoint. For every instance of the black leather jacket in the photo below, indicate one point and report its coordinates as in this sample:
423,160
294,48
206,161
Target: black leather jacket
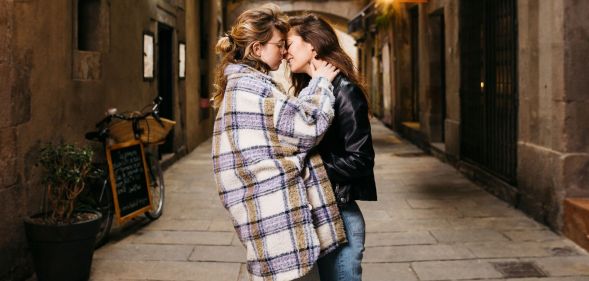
346,148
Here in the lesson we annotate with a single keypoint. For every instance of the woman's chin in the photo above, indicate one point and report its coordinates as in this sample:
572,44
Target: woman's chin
296,70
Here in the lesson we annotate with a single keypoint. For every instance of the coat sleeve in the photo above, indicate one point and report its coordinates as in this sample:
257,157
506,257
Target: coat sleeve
302,121
352,118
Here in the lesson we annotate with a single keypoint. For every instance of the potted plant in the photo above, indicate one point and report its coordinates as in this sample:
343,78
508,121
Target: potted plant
60,237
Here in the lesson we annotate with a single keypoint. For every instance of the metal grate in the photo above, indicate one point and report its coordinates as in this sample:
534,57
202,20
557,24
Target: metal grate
518,269
489,102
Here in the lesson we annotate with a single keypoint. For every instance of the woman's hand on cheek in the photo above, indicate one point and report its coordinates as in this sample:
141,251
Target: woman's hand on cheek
321,68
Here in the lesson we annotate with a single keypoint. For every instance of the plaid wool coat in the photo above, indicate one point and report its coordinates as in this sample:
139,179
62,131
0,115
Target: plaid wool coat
279,197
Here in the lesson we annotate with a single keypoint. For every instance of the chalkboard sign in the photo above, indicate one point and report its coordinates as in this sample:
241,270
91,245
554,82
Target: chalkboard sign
129,179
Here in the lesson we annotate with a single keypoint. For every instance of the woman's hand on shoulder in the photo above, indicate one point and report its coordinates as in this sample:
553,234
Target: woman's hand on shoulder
321,68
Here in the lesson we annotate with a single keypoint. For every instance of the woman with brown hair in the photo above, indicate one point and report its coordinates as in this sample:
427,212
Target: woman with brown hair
277,193
346,149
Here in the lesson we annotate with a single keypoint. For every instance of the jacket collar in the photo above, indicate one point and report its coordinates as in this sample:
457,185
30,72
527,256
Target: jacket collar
338,82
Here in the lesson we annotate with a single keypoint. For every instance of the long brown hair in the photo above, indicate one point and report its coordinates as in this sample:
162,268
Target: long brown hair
254,25
321,35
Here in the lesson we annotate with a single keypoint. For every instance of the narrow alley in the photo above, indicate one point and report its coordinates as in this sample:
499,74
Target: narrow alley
430,223
479,126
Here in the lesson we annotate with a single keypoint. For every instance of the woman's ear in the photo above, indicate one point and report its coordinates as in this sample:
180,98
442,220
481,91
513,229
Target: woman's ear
257,49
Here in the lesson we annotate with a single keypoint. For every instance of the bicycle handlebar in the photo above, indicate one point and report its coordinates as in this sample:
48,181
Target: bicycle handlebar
153,112
111,113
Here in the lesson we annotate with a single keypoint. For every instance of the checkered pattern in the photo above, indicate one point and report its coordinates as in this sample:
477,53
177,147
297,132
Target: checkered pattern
278,195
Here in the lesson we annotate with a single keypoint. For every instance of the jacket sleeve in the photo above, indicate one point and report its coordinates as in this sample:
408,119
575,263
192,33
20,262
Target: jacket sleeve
302,121
354,129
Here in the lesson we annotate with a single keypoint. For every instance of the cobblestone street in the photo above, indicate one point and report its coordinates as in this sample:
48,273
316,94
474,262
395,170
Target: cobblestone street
430,223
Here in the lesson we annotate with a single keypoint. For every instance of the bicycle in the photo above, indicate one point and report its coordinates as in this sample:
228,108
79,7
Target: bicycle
151,130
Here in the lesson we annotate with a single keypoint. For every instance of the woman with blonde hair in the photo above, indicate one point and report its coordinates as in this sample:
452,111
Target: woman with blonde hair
277,193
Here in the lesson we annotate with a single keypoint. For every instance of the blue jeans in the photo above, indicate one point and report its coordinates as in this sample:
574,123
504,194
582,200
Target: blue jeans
344,264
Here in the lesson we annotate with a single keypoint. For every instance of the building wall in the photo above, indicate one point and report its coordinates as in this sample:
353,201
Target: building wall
199,129
397,34
10,193
575,164
552,136
48,95
430,116
377,41
553,144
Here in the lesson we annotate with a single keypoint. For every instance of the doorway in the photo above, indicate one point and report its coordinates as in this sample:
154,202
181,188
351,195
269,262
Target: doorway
488,90
165,79
414,37
437,75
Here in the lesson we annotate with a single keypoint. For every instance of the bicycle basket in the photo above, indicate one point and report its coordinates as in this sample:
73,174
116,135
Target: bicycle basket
152,131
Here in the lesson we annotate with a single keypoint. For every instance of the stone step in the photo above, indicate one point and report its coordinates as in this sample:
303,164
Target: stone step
576,221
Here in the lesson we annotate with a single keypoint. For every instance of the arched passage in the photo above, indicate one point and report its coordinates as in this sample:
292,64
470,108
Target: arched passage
344,9
338,13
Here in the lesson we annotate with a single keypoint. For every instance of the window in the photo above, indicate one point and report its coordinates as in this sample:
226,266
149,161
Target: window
89,25
181,60
90,38
148,56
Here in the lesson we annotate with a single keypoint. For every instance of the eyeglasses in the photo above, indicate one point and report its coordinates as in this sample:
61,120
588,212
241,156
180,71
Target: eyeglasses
281,44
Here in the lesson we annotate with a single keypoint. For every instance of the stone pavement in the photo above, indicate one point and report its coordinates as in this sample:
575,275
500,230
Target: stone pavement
430,223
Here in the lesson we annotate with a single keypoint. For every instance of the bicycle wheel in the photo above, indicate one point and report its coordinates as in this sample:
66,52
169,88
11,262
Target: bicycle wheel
157,186
104,201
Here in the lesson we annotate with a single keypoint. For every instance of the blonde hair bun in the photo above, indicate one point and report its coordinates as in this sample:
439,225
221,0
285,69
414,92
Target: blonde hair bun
224,45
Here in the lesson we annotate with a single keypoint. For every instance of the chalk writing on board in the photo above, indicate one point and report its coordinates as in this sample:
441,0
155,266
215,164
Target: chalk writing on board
129,176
